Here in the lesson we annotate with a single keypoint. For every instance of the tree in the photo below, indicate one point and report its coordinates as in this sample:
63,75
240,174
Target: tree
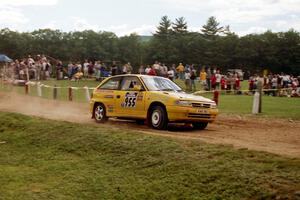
130,49
180,26
164,28
211,28
226,31
160,48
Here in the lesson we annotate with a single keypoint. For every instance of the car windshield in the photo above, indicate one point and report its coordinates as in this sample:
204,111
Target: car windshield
155,83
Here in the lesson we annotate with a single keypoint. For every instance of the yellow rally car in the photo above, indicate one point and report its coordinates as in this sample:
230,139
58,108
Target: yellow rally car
155,99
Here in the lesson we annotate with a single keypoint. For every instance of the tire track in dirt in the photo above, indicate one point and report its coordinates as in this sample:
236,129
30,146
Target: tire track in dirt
279,136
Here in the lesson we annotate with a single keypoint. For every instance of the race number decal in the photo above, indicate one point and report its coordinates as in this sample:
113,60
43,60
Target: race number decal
130,100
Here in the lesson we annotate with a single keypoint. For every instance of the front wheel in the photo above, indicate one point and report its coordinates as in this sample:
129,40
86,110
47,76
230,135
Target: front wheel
100,113
200,125
159,118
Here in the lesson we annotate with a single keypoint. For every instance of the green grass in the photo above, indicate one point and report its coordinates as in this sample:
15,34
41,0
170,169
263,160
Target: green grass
44,159
279,107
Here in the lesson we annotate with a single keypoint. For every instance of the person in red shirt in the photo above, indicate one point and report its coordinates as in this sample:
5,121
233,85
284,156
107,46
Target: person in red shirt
223,83
152,72
237,85
251,84
213,80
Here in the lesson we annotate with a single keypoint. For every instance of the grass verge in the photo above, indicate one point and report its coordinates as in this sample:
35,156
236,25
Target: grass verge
43,159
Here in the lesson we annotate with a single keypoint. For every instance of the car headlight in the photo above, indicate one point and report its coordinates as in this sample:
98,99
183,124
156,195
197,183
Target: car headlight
183,103
213,105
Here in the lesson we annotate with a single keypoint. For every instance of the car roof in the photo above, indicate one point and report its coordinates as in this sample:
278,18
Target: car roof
136,75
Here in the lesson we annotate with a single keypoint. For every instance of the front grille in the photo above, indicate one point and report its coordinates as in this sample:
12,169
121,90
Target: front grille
195,115
201,105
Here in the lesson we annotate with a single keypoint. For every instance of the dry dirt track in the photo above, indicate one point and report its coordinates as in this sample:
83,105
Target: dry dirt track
279,136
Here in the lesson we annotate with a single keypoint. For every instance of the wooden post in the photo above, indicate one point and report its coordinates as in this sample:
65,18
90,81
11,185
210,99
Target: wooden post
39,89
255,107
259,89
87,93
27,73
26,88
216,96
54,92
70,94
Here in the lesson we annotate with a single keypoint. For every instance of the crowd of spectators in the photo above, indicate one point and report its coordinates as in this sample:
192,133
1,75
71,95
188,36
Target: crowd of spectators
277,84
38,68
210,78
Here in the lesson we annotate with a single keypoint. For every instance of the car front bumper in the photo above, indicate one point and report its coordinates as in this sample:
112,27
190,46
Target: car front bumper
191,114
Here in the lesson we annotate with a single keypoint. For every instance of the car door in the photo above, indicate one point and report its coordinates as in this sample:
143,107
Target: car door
106,94
130,99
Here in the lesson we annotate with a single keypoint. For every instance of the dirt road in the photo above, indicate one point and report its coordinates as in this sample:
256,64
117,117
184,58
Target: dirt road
279,136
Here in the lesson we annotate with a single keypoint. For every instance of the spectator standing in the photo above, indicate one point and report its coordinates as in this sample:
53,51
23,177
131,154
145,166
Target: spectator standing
97,68
274,83
251,84
187,77
86,68
103,70
173,67
237,85
218,79
79,66
223,83
129,68
193,79
180,70
47,71
208,77
125,69
114,69
171,74
39,67
164,70
59,70
202,78
147,70
70,66
156,67
152,72
213,81
90,69
141,69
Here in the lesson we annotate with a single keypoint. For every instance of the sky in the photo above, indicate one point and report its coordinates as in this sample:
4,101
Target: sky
142,16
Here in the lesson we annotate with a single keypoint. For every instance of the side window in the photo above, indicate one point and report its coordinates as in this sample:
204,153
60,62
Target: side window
128,83
111,84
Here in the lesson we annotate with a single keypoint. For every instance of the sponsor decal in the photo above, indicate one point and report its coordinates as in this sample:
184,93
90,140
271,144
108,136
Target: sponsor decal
110,108
130,100
108,96
105,91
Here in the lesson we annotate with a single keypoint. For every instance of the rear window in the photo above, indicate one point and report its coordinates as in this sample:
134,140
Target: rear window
111,84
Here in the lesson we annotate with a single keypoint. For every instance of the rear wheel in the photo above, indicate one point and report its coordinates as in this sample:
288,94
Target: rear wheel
200,125
159,118
100,113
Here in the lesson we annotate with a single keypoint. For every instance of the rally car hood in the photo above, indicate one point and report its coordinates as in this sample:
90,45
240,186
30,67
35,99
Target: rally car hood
189,97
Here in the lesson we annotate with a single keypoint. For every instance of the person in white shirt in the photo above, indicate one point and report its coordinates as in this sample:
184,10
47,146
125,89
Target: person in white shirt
86,68
171,74
147,70
187,78
218,79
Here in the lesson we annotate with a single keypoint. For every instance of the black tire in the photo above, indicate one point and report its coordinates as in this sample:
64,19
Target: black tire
100,113
158,118
200,125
